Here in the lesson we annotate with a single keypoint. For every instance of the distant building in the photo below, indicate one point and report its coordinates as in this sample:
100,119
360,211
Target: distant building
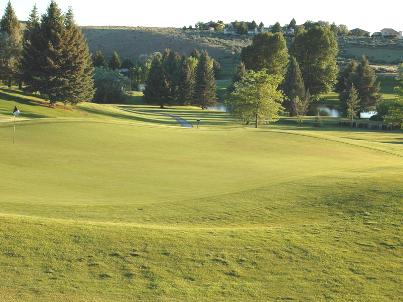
391,33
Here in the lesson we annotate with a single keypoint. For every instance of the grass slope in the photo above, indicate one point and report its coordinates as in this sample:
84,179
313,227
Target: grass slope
103,205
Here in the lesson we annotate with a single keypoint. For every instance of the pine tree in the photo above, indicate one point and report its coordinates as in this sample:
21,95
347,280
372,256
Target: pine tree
56,60
368,86
157,88
347,76
32,52
187,81
239,73
99,59
115,62
11,47
77,64
293,86
352,103
50,75
205,82
172,65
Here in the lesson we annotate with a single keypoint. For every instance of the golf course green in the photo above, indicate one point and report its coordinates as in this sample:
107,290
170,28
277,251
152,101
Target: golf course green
121,203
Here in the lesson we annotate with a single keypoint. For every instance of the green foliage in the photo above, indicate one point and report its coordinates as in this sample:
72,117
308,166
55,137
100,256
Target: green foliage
10,45
300,106
316,52
358,32
395,116
171,62
352,103
399,88
99,59
239,73
268,51
276,28
368,86
56,59
363,77
293,85
110,86
187,81
256,97
78,65
205,91
157,86
114,62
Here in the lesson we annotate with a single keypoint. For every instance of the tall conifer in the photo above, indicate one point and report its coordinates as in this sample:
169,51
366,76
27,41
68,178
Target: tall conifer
11,46
205,82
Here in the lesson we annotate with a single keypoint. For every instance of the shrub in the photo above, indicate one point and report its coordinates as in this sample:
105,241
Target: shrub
111,86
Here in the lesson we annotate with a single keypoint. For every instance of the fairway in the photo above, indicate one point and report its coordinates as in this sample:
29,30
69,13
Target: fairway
114,208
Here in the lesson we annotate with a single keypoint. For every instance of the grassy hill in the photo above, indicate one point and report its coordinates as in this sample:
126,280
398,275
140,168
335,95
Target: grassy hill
119,203
131,42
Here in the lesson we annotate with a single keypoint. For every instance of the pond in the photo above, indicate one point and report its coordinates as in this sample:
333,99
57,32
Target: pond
322,108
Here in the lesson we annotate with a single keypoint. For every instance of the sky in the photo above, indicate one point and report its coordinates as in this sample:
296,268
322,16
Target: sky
369,15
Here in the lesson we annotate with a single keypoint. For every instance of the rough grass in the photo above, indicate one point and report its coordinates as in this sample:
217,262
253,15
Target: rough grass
106,205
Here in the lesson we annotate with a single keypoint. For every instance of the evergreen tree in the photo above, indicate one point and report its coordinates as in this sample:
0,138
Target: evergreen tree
261,26
56,60
352,103
293,24
187,81
276,28
347,76
196,54
11,47
50,72
293,86
172,65
362,76
127,63
157,87
115,62
316,52
368,86
77,64
239,74
32,52
268,51
205,91
99,59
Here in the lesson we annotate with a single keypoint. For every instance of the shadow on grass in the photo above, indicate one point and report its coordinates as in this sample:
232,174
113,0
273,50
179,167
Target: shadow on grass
125,117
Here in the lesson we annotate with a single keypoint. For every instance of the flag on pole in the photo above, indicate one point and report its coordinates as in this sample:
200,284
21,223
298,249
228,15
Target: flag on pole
16,111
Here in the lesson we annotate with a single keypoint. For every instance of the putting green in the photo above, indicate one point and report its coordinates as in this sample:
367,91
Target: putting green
108,208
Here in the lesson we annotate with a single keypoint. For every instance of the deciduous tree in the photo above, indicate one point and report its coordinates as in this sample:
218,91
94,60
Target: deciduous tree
256,97
268,51
316,52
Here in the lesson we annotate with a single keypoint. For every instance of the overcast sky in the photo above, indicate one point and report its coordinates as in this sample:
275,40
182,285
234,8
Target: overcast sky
367,14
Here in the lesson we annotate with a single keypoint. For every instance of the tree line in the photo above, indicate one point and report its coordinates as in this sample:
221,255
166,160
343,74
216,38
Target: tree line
304,70
301,72
50,56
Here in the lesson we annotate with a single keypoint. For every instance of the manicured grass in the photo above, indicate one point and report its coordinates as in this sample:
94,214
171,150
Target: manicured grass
116,203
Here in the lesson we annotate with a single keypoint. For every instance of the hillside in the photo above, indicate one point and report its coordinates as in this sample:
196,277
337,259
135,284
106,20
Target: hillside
131,42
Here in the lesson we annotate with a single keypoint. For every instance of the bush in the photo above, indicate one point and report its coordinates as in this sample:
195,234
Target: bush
111,86
385,107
